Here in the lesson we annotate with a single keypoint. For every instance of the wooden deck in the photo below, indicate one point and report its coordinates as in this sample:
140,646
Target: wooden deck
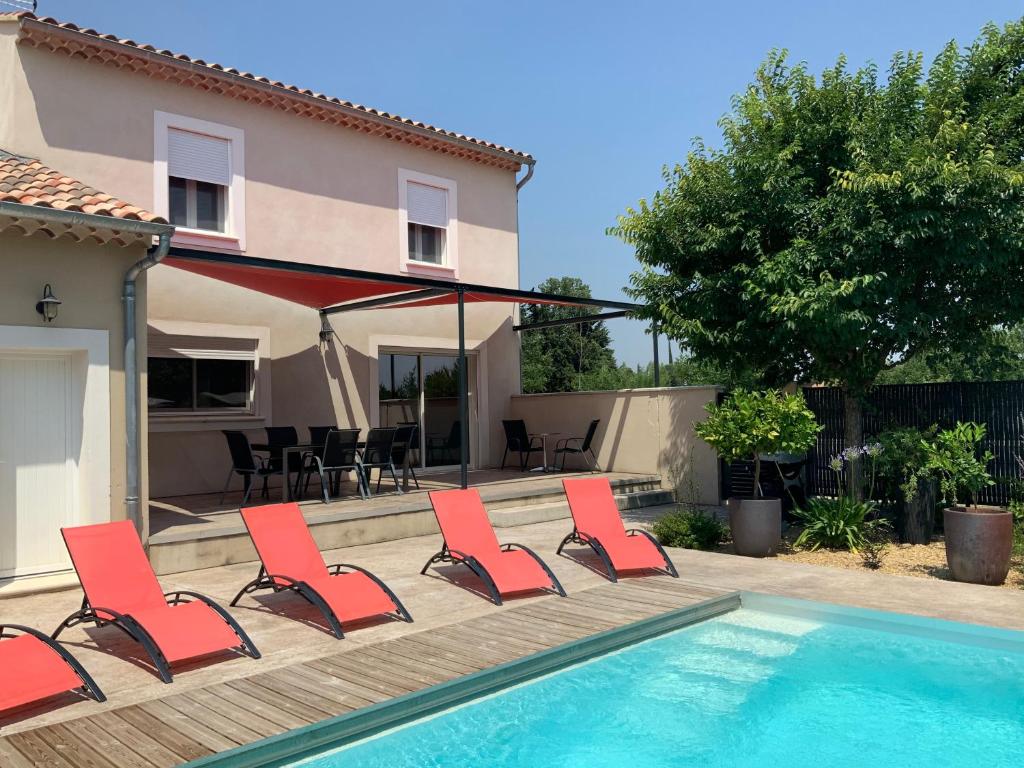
186,725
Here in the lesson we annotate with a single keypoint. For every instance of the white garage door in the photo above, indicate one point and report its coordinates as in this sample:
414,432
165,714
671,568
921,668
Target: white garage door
37,462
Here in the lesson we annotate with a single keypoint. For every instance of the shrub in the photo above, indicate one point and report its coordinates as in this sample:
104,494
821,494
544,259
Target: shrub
749,425
956,458
689,529
840,523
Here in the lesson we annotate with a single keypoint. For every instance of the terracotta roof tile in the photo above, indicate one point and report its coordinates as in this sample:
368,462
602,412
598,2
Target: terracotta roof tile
436,137
27,181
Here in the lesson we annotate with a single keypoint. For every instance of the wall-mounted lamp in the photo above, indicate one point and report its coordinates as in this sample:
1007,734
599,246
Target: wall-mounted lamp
48,305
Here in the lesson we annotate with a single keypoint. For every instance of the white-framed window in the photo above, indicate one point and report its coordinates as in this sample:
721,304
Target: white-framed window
199,180
202,371
428,223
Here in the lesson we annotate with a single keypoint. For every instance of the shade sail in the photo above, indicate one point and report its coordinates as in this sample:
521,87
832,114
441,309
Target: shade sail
311,289
332,288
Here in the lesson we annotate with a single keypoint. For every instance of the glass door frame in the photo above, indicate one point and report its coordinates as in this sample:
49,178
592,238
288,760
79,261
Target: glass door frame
473,383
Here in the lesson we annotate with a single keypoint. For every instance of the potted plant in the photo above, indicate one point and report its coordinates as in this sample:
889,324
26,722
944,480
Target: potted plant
750,425
908,483
979,539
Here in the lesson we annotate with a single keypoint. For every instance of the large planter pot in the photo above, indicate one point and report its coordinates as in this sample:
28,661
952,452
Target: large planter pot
756,526
915,519
978,543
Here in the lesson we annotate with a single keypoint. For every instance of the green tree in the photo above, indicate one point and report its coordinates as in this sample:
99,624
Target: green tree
564,358
850,221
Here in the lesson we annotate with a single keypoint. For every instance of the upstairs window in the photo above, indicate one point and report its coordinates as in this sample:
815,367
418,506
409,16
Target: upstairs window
428,220
428,223
198,176
199,173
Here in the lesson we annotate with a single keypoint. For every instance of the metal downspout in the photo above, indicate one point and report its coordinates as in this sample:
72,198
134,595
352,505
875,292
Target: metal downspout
133,458
519,266
463,394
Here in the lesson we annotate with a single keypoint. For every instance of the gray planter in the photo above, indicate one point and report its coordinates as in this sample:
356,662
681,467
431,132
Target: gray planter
756,526
978,543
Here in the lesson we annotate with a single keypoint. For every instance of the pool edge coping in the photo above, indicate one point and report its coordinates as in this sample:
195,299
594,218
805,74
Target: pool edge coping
296,744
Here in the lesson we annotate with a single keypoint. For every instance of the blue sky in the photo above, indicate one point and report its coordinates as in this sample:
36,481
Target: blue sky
603,94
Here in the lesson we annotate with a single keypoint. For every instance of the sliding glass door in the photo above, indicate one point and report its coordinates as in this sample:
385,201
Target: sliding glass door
423,388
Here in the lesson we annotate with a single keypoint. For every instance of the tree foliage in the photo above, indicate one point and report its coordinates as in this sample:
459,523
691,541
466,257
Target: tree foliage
562,359
850,221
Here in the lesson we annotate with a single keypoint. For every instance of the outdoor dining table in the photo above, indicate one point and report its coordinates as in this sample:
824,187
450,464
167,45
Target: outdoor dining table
301,448
544,451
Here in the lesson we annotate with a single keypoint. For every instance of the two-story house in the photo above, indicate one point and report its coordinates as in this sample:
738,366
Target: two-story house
243,165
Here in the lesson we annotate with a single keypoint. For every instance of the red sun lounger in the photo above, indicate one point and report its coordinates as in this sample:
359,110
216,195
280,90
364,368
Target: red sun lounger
291,560
34,667
597,524
121,589
469,539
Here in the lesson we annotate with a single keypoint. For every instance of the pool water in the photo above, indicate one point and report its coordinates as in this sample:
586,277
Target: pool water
748,688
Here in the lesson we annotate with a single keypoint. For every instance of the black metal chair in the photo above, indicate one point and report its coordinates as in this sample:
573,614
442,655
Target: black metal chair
582,446
406,441
518,440
318,435
377,454
279,438
448,448
340,453
246,464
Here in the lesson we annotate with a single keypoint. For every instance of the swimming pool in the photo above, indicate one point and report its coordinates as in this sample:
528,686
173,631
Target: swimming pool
753,687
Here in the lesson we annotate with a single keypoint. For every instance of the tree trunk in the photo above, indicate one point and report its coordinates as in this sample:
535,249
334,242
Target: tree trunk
916,519
853,437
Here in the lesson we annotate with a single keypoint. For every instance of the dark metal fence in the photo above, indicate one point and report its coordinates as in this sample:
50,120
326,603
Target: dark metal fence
997,404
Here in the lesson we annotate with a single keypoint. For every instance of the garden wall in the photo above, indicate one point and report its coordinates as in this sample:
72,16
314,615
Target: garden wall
646,431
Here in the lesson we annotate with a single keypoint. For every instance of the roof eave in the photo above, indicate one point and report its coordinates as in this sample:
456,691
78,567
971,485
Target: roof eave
513,159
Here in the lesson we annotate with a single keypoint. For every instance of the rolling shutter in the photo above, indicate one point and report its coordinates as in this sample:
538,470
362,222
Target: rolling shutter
200,347
427,205
198,157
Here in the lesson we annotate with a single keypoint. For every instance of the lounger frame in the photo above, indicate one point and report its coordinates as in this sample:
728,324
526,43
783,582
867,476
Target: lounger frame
448,555
89,686
266,580
89,614
576,537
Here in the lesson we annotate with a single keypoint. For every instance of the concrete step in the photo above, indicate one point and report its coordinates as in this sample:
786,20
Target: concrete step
510,517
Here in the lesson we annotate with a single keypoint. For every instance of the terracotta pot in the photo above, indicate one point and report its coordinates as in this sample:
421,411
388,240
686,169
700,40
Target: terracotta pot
756,526
978,543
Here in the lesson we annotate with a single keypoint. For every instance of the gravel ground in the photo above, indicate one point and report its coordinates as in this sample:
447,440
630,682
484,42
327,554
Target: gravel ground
927,561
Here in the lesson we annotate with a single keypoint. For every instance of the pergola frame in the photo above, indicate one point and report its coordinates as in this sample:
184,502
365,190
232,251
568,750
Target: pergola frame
417,291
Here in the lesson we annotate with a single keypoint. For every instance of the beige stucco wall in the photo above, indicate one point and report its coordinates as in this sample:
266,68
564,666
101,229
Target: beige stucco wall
87,278
314,193
641,430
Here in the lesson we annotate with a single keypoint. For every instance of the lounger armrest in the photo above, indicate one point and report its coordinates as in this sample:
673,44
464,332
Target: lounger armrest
336,569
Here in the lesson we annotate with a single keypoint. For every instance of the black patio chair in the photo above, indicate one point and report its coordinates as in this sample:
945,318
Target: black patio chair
340,453
318,435
518,440
406,440
245,463
450,447
582,446
377,454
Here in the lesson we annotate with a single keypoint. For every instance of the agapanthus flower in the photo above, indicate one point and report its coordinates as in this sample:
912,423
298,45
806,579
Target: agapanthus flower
873,450
836,464
851,454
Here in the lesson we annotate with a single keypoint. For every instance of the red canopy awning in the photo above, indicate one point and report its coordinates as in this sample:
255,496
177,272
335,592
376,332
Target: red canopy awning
311,289
337,289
